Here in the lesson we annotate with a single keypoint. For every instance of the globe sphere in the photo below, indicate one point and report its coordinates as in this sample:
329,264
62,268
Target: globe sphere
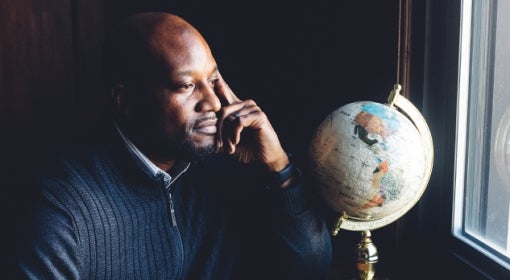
368,161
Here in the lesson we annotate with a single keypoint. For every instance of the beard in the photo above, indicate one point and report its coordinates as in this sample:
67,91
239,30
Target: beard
188,150
185,149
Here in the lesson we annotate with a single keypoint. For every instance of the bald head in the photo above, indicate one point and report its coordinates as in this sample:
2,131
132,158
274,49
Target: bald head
140,44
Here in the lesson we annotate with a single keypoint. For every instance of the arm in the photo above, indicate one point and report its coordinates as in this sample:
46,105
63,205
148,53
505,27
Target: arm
299,242
283,234
301,236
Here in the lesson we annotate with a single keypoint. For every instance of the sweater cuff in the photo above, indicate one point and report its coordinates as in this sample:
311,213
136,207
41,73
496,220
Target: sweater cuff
294,200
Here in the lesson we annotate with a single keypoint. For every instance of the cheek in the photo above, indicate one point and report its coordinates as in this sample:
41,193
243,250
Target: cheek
175,120
177,114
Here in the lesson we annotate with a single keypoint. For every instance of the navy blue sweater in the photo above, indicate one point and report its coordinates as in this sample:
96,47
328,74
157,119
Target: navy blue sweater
99,216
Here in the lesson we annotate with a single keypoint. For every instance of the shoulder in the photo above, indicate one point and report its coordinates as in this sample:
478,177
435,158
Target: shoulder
80,161
66,179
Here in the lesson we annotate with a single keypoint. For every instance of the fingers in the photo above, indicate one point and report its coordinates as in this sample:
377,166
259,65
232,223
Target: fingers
227,97
236,116
246,117
234,120
224,92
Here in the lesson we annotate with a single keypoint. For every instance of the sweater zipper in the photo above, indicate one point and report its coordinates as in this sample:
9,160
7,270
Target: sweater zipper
178,240
171,209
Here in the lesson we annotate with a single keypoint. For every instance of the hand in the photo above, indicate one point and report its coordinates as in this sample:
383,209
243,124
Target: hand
245,131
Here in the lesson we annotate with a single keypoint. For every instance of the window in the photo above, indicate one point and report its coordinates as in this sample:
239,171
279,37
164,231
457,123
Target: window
482,171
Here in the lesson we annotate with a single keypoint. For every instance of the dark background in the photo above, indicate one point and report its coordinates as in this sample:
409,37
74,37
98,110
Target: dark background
298,59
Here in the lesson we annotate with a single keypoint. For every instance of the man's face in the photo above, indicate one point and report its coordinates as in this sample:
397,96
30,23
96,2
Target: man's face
174,115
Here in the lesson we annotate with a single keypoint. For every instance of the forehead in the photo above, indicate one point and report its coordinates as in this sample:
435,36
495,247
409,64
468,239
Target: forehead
180,50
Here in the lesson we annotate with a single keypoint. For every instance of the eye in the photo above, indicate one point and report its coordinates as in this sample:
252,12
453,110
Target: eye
186,86
213,82
181,87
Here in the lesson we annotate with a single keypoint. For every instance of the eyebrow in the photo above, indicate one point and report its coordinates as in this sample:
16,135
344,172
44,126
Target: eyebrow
188,72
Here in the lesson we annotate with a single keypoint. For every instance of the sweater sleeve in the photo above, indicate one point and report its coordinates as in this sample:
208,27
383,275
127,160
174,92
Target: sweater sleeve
301,238
48,248
286,234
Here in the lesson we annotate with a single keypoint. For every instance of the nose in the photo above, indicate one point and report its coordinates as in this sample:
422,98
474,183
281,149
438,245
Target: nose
208,101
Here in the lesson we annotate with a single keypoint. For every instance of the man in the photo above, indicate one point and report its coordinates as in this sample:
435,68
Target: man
185,181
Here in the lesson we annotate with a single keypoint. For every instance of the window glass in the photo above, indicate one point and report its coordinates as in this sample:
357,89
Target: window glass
482,194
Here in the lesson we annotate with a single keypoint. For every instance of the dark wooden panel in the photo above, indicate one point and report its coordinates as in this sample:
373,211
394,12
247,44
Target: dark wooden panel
36,97
89,27
36,66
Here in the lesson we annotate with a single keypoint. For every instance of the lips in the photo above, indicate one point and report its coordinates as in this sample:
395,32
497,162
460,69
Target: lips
207,126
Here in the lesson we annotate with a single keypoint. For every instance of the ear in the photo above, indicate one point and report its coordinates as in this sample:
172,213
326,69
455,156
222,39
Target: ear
120,99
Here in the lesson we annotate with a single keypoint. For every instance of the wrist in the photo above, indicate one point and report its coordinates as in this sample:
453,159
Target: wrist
285,177
280,164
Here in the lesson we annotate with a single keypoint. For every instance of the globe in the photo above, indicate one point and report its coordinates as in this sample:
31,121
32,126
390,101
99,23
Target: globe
370,162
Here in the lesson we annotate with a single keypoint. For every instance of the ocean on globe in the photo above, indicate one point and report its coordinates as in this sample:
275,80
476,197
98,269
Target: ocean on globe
368,160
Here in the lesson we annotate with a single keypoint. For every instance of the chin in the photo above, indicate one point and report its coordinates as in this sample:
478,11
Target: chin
192,151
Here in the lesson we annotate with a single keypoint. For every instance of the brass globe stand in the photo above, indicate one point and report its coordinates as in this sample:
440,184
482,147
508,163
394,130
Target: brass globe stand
366,253
367,256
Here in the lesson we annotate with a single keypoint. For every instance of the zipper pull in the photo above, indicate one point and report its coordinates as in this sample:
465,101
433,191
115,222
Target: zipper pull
172,210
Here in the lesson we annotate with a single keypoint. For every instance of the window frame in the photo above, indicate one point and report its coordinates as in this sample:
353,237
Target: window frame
435,83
